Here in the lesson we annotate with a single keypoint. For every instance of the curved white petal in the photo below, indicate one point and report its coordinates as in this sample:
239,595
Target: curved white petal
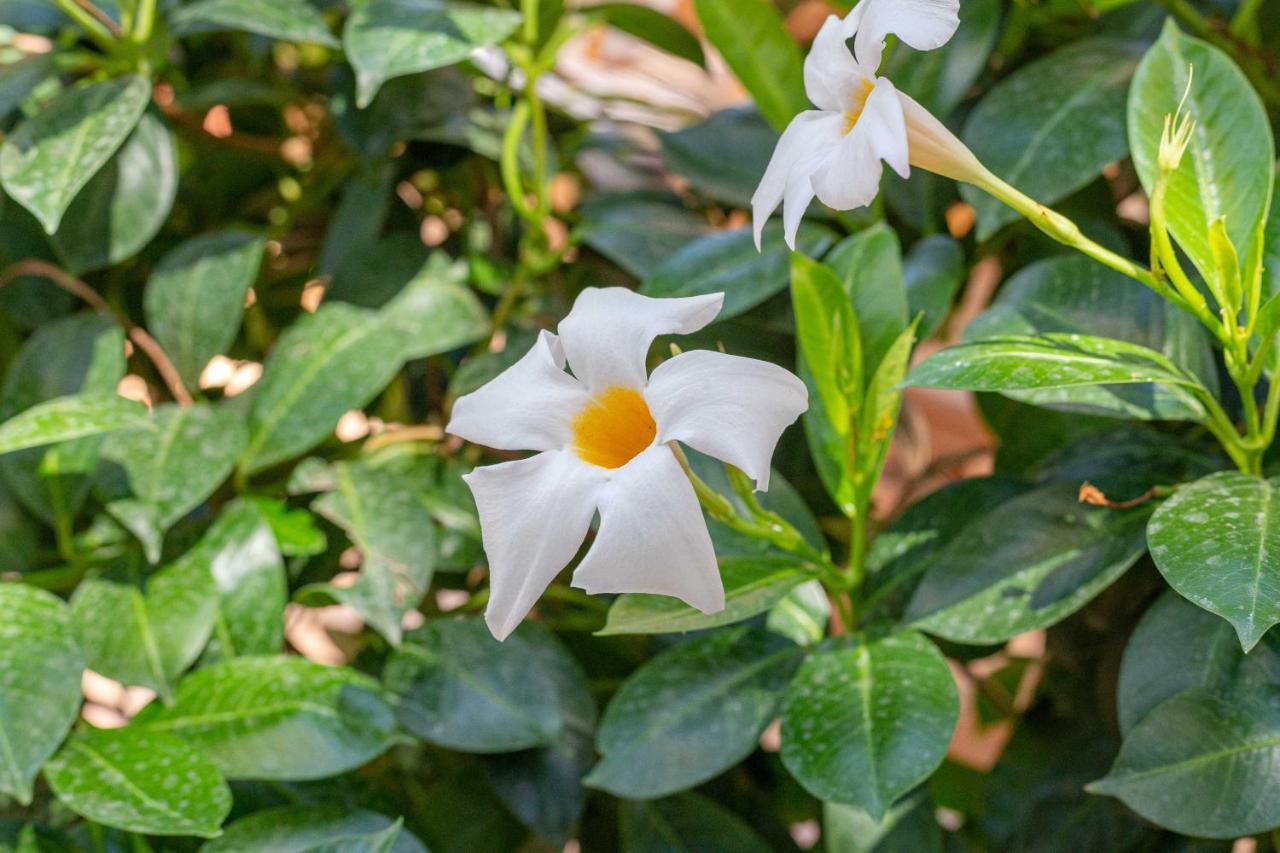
608,333
922,24
808,140
830,71
726,406
529,406
534,514
851,177
652,536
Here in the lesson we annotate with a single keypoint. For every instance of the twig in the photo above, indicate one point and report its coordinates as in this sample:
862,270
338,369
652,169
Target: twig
1092,495
139,336
101,17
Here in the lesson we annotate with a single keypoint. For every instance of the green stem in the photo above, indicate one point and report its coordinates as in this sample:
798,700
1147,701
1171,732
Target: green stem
91,25
509,162
144,22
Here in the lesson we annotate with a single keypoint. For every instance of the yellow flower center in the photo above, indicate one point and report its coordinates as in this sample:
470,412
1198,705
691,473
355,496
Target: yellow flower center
858,104
613,428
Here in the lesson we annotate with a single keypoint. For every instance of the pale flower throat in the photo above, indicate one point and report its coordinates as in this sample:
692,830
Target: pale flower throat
613,428
858,103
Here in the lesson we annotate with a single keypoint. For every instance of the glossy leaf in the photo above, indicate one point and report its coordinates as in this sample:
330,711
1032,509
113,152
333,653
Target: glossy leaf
1214,540
684,822
870,266
288,20
49,158
727,262
932,272
147,639
692,712
751,36
66,418
653,26
1202,765
311,829
867,720
140,781
240,711
752,585
462,689
392,38
827,334
984,586
434,314
1227,169
908,827
1050,127
324,365
195,297
724,155
638,231
40,669
249,574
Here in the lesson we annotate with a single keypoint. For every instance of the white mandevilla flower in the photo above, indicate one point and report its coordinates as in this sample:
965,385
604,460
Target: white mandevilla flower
603,433
835,152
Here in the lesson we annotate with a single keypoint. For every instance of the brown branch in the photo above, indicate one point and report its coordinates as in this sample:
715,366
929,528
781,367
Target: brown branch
1092,495
101,17
235,139
139,336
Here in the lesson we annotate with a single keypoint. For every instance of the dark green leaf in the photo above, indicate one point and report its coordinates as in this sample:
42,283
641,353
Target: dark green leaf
289,20
40,670
310,829
1213,542
692,712
140,781
195,297
724,155
908,827
686,822
278,717
932,272
658,29
392,38
65,418
638,231
434,314
48,159
751,36
1203,765
18,79
1050,139
867,720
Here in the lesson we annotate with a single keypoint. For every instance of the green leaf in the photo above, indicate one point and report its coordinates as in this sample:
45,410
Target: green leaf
19,79
49,158
1178,646
147,639
1055,360
462,689
1227,169
1050,139
278,717
124,205
288,20
248,571
65,418
751,36
652,26
878,416
195,297
434,314
802,614
379,509
909,826
828,338
40,670
1213,541
684,822
322,366
638,231
176,459
140,781
724,155
1202,765
870,266
866,720
692,712
310,829
939,79
752,585
727,262
392,38
984,586
1074,295
932,273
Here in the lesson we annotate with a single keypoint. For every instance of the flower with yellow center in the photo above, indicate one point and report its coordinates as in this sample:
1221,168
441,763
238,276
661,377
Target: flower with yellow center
603,437
835,152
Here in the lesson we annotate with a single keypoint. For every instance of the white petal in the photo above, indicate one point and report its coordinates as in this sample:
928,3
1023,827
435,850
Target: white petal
851,177
811,136
830,72
652,536
726,406
534,514
608,333
529,406
922,24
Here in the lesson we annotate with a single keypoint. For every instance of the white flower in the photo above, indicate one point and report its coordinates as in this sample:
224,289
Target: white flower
603,433
835,151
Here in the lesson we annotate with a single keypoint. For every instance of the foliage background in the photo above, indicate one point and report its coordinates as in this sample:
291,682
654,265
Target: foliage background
248,623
